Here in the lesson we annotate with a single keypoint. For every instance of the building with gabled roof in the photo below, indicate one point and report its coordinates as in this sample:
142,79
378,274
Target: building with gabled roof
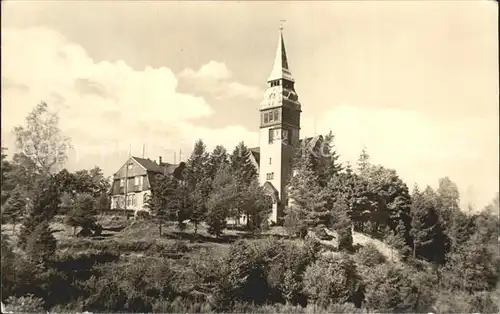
131,186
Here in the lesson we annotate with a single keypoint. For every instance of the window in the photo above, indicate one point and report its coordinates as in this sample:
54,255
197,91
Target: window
271,116
138,181
129,166
269,160
129,200
271,136
266,117
133,200
286,138
122,183
270,176
276,115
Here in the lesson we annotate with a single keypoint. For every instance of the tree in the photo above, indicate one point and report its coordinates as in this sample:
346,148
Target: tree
41,140
352,190
342,225
241,165
429,240
164,202
41,244
198,201
7,181
363,161
24,172
82,213
197,182
216,159
222,200
8,261
244,172
42,206
14,207
333,279
327,164
493,208
392,200
306,196
256,205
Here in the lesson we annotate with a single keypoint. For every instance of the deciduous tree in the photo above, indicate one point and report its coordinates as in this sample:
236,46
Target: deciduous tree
41,140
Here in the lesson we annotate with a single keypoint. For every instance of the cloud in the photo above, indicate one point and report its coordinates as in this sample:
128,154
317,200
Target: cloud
421,148
214,78
107,108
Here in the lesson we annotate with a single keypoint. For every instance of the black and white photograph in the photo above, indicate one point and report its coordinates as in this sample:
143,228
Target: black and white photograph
250,156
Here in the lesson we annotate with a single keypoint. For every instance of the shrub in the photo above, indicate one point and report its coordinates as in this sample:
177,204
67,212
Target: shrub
370,256
25,304
130,287
391,288
462,302
333,279
142,215
321,234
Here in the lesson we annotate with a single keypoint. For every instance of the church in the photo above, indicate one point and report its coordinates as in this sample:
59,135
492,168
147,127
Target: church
279,132
279,137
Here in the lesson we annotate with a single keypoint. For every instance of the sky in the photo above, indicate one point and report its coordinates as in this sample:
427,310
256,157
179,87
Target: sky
415,82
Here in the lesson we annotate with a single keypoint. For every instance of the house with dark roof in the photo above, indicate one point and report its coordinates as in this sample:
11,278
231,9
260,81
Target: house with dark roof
131,185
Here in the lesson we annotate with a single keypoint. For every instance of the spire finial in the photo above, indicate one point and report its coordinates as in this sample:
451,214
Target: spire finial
280,68
282,24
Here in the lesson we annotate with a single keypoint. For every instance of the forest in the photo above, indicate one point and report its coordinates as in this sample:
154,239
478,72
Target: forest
355,238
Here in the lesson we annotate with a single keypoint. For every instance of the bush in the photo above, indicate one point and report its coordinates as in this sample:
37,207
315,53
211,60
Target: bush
130,287
391,288
142,215
370,256
333,279
25,304
462,302
321,234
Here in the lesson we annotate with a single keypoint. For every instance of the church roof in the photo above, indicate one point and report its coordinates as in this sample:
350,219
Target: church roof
280,68
311,141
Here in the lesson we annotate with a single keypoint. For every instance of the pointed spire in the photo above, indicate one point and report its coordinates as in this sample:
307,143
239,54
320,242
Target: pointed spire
280,68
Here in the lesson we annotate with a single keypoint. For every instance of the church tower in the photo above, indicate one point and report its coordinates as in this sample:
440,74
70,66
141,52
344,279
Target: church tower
279,130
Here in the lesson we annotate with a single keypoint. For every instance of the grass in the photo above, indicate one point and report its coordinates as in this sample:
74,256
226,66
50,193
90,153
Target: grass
141,238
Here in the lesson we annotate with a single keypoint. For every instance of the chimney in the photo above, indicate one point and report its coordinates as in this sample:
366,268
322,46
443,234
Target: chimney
160,161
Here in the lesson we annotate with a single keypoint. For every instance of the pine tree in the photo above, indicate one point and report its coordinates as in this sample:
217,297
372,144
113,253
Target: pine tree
328,164
42,207
82,213
244,172
164,202
198,183
221,200
242,166
256,205
342,225
14,207
216,160
306,195
363,161
391,200
41,244
198,201
429,240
